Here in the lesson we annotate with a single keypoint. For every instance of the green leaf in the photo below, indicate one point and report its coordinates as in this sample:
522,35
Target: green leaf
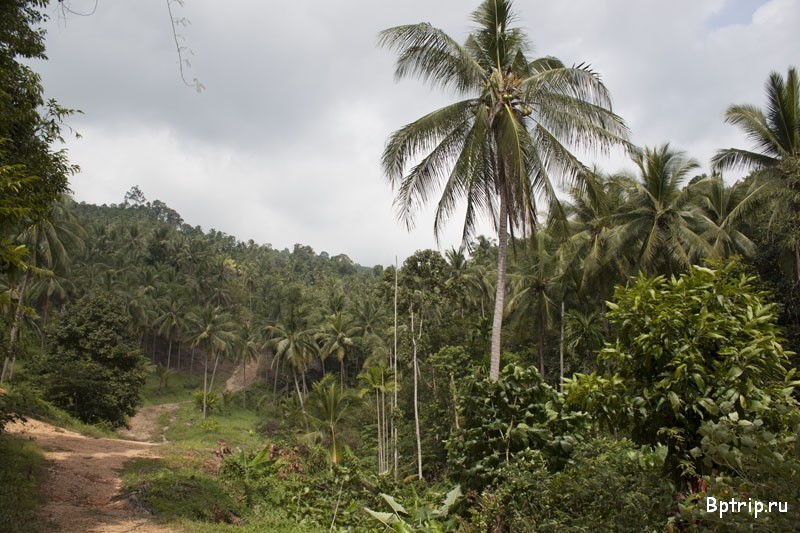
394,504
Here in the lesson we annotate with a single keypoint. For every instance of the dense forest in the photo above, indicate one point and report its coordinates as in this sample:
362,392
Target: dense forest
618,356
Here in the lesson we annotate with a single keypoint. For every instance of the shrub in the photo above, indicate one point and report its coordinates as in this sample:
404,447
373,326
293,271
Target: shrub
606,486
519,412
691,352
93,368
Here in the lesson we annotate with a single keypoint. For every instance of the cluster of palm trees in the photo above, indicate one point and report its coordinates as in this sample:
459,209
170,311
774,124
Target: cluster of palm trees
505,144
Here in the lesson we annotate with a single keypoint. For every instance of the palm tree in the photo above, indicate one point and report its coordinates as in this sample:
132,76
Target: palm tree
592,248
327,404
536,293
45,241
499,146
775,134
660,219
337,340
376,378
246,348
170,321
727,207
214,331
296,347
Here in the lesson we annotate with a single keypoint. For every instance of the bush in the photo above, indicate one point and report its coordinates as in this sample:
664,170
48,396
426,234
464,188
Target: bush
606,486
692,352
93,368
519,412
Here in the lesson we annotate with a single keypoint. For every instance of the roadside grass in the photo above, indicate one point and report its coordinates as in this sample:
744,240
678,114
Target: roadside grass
183,488
177,388
22,471
28,402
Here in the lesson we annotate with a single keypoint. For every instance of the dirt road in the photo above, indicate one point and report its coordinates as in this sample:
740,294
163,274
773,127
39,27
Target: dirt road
82,490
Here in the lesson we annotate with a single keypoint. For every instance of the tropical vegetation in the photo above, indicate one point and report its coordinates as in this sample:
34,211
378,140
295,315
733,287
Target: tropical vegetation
623,349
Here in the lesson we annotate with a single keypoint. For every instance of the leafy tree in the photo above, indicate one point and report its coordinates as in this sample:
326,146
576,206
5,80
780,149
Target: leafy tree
691,352
498,147
93,368
503,420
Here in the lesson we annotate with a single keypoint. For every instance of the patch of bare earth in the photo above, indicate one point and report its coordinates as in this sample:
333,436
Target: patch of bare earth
145,426
82,490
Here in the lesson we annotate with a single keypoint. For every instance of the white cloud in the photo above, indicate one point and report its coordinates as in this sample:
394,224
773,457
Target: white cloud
284,146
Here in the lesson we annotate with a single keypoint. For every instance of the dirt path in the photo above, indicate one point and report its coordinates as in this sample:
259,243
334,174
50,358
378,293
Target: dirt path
83,486
145,426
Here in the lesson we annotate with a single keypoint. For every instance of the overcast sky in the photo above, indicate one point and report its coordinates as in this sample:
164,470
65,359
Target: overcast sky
283,146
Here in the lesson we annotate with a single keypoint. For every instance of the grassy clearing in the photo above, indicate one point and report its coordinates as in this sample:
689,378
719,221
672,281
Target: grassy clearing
22,470
183,488
176,388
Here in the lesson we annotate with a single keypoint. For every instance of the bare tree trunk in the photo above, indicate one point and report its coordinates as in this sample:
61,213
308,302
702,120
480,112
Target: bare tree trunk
394,403
380,436
497,322
214,373
300,397
244,383
455,400
12,355
205,382
416,401
561,351
169,351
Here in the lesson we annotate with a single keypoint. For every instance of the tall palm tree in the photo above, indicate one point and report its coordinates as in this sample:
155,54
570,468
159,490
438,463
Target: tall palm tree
327,405
294,346
775,135
170,320
214,330
660,219
499,146
47,241
727,207
592,248
337,340
247,347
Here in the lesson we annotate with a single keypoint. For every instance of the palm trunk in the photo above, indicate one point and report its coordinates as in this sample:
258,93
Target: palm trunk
300,397
542,323
214,373
205,382
380,436
497,322
455,401
169,352
12,356
244,383
561,352
394,403
416,400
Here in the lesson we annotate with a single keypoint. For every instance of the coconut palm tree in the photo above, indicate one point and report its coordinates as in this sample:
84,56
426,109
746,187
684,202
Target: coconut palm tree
294,346
502,144
727,207
660,220
592,247
327,405
775,135
246,348
336,336
45,241
214,330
